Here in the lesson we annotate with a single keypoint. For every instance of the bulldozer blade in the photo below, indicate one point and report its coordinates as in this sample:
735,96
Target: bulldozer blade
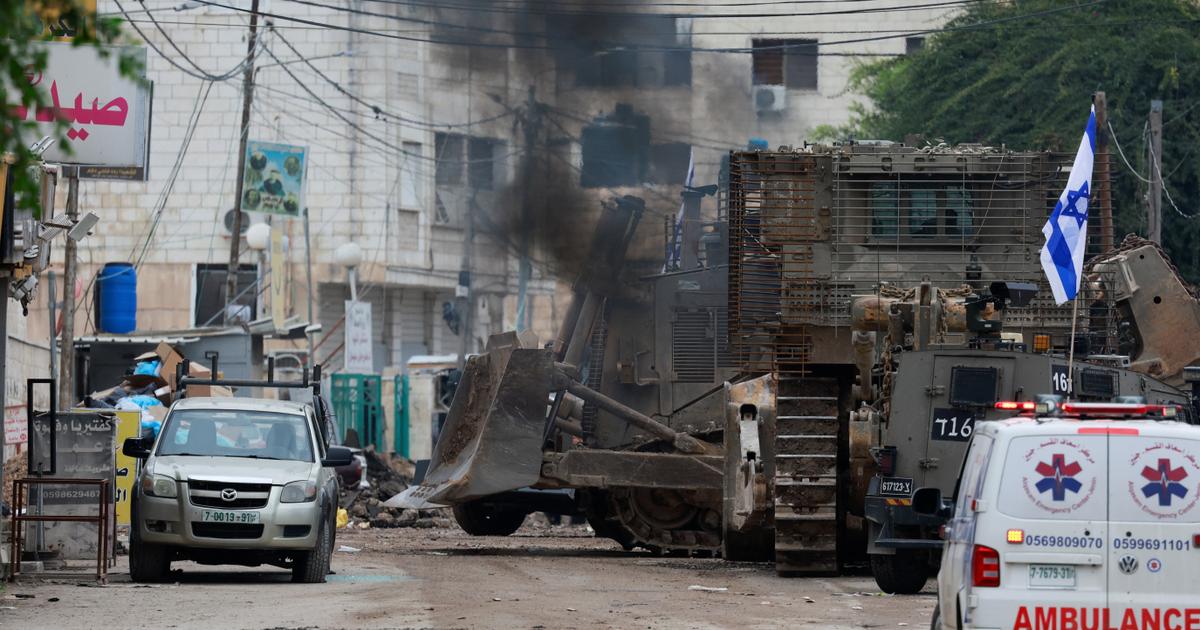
492,439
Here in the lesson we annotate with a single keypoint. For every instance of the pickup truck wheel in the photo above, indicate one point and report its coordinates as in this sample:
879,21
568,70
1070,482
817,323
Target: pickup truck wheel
479,519
311,567
147,562
936,622
903,573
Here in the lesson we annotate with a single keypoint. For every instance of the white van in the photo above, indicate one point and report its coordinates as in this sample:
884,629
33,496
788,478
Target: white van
1088,519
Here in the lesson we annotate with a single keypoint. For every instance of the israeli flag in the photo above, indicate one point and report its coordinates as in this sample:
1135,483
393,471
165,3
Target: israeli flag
1066,229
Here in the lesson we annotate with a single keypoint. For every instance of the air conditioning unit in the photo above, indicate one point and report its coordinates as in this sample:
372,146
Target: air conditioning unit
770,98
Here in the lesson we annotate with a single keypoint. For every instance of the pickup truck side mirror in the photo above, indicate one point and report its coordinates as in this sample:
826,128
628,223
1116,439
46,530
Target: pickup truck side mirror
136,448
337,456
928,502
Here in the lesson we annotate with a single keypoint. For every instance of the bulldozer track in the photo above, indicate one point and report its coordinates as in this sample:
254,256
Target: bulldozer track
665,522
806,476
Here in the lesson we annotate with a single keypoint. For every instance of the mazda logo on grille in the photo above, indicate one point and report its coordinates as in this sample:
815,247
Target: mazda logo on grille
229,494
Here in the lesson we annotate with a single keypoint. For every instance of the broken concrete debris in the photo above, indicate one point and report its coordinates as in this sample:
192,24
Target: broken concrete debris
387,477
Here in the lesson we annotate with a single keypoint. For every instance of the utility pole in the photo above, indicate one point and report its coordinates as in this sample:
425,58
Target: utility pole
308,333
1101,176
235,239
531,122
1154,207
66,365
462,293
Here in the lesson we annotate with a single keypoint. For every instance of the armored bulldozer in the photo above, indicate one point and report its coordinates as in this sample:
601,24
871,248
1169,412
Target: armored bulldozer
735,399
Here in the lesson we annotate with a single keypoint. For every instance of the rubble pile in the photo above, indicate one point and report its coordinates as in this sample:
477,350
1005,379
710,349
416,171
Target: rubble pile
386,477
14,468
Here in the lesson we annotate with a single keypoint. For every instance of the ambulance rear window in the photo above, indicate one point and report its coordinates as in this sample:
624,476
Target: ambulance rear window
1056,477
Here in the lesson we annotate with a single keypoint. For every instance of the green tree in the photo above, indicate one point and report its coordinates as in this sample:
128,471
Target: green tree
23,23
1021,73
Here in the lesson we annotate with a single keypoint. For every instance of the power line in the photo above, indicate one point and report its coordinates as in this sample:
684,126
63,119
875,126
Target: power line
607,14
197,110
484,8
377,110
235,71
199,73
1167,192
385,144
386,120
1113,134
522,5
732,50
704,33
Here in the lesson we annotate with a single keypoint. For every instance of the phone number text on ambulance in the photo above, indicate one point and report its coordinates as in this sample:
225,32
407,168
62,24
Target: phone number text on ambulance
1074,542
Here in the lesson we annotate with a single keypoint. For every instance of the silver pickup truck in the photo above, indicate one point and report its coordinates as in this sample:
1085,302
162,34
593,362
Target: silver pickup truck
236,481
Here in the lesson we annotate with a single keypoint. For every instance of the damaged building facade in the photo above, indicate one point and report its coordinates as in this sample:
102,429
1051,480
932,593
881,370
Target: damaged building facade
475,161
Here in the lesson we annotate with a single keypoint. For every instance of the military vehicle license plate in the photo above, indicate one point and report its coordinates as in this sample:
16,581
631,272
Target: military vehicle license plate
1051,576
228,516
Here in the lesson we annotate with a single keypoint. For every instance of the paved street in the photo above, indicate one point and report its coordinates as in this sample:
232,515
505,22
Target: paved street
442,578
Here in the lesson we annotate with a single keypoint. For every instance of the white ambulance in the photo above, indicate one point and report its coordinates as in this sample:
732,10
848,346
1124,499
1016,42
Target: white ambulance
1083,517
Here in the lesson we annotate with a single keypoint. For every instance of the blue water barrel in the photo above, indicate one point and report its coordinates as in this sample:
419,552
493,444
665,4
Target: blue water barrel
117,286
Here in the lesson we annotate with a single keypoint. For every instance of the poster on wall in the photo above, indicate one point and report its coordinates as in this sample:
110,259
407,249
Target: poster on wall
16,429
273,180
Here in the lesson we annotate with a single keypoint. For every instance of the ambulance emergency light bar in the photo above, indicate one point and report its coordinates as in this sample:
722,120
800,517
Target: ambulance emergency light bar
1088,408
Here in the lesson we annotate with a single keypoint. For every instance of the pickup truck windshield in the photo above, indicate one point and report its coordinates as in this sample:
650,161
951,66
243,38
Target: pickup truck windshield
236,433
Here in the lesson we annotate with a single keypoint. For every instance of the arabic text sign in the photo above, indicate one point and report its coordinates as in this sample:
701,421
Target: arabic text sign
274,178
129,425
360,358
16,428
108,115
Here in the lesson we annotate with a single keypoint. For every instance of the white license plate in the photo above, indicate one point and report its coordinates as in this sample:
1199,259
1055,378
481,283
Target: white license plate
228,516
1051,576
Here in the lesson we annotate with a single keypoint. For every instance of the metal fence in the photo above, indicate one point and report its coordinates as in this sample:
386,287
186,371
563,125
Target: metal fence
358,402
809,230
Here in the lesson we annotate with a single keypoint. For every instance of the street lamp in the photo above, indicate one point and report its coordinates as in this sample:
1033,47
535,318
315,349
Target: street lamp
258,237
349,255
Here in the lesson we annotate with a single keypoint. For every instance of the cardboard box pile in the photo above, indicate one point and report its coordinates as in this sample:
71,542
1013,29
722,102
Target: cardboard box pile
161,386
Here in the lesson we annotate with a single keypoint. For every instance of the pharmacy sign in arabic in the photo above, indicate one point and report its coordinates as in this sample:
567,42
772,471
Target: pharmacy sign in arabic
107,115
273,180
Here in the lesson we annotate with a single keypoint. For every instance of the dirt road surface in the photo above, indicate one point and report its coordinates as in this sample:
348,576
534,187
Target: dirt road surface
443,578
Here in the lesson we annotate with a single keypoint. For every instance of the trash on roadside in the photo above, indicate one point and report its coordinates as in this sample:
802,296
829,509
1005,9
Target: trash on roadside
707,589
343,518
348,549
150,383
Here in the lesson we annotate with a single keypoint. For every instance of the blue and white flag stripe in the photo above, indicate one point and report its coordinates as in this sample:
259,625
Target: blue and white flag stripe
1066,229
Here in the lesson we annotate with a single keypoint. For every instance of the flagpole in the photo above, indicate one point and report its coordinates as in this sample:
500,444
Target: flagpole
1071,351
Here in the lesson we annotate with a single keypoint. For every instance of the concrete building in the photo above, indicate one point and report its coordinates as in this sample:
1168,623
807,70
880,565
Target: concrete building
464,153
